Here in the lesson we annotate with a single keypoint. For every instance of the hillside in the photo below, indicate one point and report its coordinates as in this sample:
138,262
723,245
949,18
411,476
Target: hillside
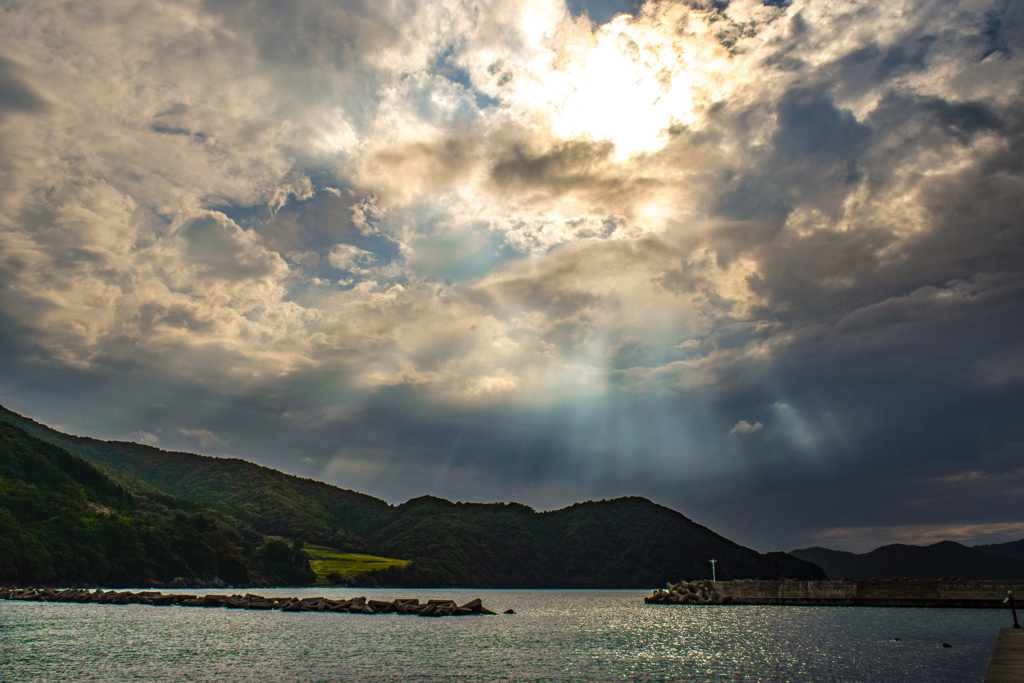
628,542
1014,549
272,502
621,543
940,560
63,521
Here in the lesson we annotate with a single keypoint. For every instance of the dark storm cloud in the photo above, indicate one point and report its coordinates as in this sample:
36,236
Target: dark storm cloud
15,94
1004,30
560,169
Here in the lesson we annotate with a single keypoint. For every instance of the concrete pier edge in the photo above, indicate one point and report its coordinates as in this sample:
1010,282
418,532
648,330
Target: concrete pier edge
973,594
1007,663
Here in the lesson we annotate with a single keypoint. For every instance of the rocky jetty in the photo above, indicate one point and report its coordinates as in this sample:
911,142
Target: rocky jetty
684,593
360,605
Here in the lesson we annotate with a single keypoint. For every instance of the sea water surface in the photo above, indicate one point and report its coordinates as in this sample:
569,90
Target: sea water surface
555,635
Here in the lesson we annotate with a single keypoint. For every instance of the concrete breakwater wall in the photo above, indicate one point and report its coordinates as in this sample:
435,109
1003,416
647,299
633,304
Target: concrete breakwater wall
360,605
892,593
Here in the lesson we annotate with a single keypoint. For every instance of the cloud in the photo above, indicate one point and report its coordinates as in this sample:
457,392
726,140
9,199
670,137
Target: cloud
205,438
348,257
744,427
144,437
15,95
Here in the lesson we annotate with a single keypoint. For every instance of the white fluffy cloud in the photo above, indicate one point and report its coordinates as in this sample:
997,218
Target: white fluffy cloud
744,427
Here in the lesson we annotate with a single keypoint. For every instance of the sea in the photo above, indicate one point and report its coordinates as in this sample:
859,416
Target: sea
554,635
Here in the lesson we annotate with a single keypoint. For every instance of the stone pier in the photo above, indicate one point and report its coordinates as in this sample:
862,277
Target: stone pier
1007,663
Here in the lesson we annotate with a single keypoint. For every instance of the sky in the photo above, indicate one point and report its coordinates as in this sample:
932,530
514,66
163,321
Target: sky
761,261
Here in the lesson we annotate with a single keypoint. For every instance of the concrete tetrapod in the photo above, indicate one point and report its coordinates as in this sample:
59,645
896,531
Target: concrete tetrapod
359,605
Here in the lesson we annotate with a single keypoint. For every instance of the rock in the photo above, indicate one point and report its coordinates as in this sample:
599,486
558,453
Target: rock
381,606
214,600
436,607
946,645
163,600
509,611
412,607
474,605
177,582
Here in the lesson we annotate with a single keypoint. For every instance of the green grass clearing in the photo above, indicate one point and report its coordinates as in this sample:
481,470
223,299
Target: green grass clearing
325,561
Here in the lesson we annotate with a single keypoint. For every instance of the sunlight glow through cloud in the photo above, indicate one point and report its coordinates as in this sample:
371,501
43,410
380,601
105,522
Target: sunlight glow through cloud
633,80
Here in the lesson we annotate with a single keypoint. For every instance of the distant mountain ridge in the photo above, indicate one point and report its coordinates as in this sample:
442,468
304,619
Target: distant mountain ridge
621,543
939,560
1014,549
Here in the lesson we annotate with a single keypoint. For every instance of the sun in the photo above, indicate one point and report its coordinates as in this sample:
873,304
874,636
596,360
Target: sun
635,79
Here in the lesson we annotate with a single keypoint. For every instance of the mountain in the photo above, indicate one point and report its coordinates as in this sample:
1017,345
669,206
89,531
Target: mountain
272,502
63,521
1014,549
622,543
943,559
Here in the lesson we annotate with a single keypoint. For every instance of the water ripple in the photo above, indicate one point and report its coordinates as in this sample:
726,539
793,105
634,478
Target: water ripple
555,636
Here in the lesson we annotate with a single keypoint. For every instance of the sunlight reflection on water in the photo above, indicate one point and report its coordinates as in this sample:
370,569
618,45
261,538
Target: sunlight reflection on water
555,636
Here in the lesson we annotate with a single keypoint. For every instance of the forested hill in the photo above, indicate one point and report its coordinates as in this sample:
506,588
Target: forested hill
64,522
622,543
273,502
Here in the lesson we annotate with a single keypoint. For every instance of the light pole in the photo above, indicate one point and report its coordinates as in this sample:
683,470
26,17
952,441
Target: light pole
713,570
1009,598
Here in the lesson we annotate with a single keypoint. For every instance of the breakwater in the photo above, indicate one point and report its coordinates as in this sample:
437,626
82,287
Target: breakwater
250,601
875,593
1007,663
